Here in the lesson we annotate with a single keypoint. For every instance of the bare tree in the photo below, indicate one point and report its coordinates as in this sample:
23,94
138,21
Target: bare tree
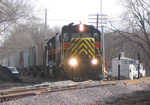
12,11
136,25
23,36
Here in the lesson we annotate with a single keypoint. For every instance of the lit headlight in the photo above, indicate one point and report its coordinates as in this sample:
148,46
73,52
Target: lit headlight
73,62
94,61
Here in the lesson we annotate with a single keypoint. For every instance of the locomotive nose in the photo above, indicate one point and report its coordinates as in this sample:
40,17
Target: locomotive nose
83,47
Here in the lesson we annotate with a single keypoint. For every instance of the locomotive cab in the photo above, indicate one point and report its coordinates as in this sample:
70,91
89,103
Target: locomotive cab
81,51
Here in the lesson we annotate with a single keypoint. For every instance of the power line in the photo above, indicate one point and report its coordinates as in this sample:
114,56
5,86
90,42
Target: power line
97,17
63,20
66,20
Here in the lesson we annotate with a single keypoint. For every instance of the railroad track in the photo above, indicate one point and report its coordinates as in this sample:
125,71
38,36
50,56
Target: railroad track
45,89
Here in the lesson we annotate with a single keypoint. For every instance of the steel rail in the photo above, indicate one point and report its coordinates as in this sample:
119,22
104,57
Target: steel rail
40,90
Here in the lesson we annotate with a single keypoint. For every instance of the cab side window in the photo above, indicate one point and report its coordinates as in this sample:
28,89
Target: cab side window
97,37
66,37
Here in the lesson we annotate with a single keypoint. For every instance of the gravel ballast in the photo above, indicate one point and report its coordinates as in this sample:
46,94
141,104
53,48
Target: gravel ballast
106,95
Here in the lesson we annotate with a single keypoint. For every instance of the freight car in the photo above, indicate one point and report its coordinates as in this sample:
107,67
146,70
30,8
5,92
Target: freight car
75,53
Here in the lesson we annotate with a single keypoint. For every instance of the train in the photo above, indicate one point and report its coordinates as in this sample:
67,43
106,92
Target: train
74,53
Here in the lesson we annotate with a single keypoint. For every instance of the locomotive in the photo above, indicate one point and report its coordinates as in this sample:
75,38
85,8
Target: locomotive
75,53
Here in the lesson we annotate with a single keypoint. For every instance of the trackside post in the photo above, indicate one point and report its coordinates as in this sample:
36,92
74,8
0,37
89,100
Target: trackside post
119,67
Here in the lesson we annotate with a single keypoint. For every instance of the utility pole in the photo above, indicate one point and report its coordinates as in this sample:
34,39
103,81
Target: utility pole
45,61
102,31
103,18
96,19
45,31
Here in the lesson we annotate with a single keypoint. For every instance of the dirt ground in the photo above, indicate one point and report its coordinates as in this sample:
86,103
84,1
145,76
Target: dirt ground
25,81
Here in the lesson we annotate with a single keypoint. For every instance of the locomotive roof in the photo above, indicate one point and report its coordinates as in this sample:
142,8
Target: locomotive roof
70,27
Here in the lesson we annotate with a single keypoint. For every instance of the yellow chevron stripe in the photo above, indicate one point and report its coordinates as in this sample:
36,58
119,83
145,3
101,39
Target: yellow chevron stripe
77,44
84,45
75,53
93,55
83,50
89,44
75,41
85,40
91,47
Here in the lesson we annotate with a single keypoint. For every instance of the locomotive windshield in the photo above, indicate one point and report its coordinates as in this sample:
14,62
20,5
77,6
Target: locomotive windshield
79,35
67,36
70,32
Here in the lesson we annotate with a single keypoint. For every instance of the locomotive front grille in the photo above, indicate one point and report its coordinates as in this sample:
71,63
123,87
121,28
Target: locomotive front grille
83,47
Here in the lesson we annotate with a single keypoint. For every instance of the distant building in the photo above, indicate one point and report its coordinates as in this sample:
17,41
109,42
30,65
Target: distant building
128,67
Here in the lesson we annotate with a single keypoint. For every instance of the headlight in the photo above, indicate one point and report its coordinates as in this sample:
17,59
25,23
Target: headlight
94,61
73,62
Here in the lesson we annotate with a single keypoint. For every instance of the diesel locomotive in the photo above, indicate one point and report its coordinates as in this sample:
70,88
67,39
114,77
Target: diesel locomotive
75,53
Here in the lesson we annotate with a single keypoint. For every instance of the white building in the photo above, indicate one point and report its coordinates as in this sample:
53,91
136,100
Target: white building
127,67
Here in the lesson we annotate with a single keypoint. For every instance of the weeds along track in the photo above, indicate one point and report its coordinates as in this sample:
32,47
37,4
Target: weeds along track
13,94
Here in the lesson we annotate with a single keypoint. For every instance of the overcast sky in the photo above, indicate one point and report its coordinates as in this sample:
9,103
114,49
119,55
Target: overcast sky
65,11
